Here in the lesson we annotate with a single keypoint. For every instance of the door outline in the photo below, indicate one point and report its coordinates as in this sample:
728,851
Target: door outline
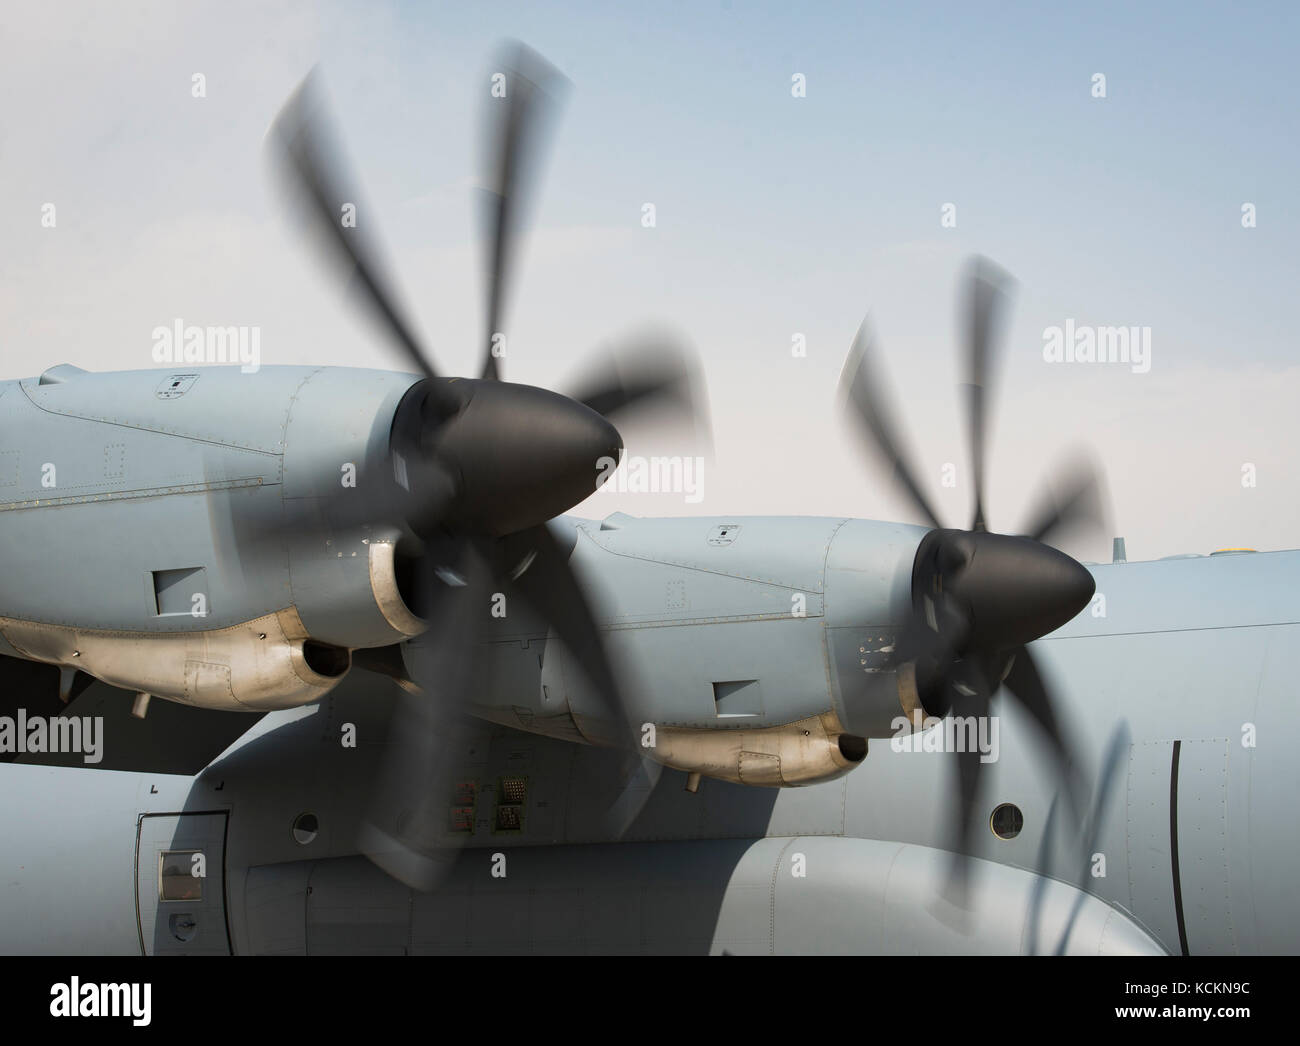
225,874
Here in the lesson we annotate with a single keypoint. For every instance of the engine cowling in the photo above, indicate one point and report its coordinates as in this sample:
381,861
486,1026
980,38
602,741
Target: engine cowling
267,663
802,753
188,586
868,598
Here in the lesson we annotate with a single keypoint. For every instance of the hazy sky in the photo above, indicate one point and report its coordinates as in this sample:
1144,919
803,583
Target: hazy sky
776,215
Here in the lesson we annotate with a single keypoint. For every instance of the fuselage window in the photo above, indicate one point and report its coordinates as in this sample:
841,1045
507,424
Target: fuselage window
305,828
176,878
1007,821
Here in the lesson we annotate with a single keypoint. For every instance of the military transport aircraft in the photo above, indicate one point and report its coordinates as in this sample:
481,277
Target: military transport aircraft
309,660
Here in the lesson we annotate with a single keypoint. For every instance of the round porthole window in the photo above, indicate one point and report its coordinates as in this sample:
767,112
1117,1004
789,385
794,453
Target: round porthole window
305,827
1007,820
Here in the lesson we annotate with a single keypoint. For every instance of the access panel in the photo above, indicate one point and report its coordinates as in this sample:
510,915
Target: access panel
180,883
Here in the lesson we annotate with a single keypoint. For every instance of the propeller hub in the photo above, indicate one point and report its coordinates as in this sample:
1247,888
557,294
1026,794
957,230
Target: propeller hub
1013,590
522,455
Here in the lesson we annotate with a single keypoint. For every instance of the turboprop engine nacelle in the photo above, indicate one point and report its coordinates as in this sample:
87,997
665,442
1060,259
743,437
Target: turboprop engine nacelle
868,599
203,573
805,752
757,648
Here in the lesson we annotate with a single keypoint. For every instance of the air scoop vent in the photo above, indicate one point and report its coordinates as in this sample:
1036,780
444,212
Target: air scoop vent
58,375
326,659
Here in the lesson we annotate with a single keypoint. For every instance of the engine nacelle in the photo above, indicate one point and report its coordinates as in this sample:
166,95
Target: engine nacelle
868,597
267,663
801,753
344,583
204,573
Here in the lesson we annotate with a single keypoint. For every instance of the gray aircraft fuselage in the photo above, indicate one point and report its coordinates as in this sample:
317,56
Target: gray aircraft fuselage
1177,684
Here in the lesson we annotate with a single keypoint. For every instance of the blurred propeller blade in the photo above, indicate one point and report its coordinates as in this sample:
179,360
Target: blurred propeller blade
969,690
303,147
971,686
1090,836
647,375
1033,924
642,777
545,579
988,292
868,408
407,829
1024,682
1078,504
525,93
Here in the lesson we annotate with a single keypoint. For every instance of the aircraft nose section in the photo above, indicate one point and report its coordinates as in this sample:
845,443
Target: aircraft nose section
1017,589
525,455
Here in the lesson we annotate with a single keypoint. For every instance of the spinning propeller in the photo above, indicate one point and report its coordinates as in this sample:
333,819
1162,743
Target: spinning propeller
1081,846
478,466
978,598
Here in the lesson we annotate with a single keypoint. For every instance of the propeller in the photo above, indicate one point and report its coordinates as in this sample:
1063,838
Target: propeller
476,467
474,455
979,598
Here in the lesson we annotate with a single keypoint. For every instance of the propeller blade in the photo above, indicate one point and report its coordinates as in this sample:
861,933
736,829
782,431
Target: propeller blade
544,578
1107,778
619,394
968,696
988,292
1034,921
869,412
1078,504
642,777
407,829
645,375
302,144
1087,843
1025,683
530,88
